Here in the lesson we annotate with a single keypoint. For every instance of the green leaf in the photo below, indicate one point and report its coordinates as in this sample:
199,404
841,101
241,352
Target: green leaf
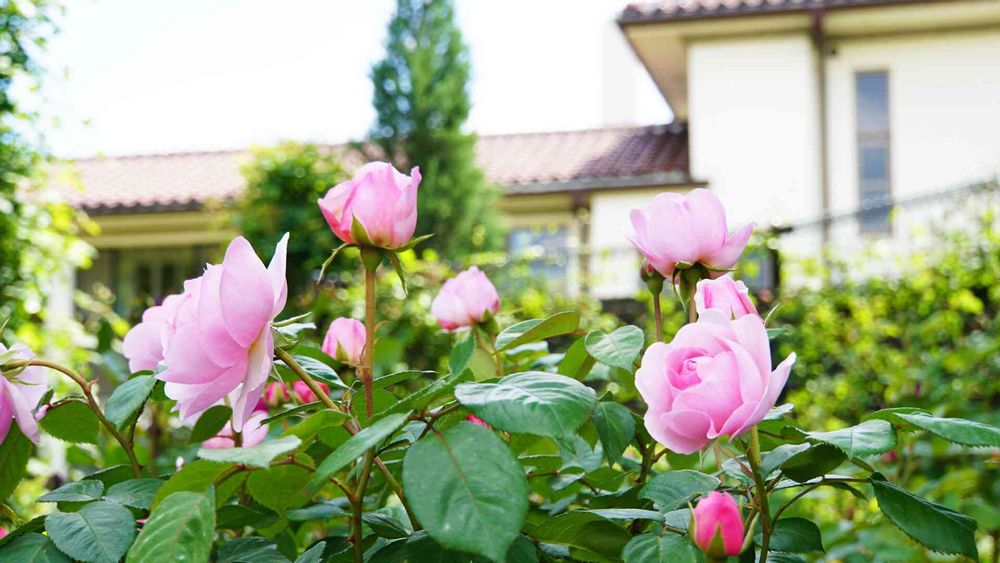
279,488
71,421
627,514
467,490
388,379
320,370
932,525
211,422
618,349
137,493
815,461
99,532
532,402
589,536
674,489
32,548
461,354
576,362
663,548
313,555
260,455
112,475
398,267
384,525
124,404
957,430
794,535
537,329
321,511
775,458
15,451
299,409
356,446
414,242
872,437
197,477
237,517
315,422
75,491
181,528
615,427
250,550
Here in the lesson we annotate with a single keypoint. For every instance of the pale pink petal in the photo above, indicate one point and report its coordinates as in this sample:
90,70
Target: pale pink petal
751,335
730,252
23,413
708,221
245,292
683,432
259,366
651,379
186,359
6,408
143,346
718,394
276,272
212,335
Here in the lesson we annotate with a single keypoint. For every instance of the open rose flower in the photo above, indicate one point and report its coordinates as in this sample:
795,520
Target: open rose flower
687,228
718,526
345,340
254,432
724,294
465,300
215,339
381,198
714,379
19,395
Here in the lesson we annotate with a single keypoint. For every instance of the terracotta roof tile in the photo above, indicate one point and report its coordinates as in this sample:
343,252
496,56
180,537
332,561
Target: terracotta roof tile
669,10
521,163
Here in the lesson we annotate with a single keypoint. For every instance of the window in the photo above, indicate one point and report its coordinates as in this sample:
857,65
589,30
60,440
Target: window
547,251
872,100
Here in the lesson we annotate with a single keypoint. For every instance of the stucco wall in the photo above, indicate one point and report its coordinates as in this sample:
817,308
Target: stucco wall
754,125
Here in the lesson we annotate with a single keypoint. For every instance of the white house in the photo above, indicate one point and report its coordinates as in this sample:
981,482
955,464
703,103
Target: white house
793,110
802,109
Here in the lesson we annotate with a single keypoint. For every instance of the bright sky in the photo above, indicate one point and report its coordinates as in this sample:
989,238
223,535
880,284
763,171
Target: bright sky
140,76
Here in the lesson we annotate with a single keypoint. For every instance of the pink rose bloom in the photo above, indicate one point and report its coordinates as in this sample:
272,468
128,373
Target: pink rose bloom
381,198
19,395
305,394
717,517
345,340
465,300
215,338
276,393
724,294
254,433
687,228
714,379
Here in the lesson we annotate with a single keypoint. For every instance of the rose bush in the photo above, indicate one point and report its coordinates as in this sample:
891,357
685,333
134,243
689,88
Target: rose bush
292,447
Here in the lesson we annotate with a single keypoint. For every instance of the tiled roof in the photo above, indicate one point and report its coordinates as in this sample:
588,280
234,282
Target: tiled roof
669,10
521,163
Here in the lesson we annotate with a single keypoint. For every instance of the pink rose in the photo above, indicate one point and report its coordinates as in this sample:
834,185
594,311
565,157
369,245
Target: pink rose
345,340
714,379
305,394
3,531
215,338
465,300
276,393
476,420
254,433
718,526
19,395
690,229
724,294
381,198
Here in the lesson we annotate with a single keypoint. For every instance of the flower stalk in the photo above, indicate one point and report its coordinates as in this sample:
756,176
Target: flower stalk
760,494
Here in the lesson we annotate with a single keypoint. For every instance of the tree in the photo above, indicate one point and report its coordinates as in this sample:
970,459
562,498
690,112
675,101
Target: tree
283,184
422,102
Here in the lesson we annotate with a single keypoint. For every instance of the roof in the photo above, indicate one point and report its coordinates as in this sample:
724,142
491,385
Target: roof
672,10
520,163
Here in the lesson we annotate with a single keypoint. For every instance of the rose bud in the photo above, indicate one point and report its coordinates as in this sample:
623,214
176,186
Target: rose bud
689,229
276,393
476,420
345,340
725,294
305,394
718,526
381,199
465,300
714,379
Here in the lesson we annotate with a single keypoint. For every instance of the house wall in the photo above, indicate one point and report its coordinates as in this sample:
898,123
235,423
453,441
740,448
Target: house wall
944,109
753,128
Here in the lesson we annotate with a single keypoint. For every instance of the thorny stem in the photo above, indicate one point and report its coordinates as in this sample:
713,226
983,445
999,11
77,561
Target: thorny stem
358,504
760,496
85,386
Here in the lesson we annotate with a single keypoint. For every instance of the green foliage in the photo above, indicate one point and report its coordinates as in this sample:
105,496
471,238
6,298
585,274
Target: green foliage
661,548
100,532
260,455
467,490
33,548
675,489
618,349
180,529
283,184
72,421
14,454
421,101
933,525
127,399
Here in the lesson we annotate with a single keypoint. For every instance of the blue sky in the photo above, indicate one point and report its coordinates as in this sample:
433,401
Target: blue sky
142,76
